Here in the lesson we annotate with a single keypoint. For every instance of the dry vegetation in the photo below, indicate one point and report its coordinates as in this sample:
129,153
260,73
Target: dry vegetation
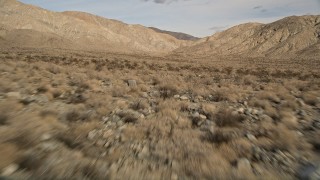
72,115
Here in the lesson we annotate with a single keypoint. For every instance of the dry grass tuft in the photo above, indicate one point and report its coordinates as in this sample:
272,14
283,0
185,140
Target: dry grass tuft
226,118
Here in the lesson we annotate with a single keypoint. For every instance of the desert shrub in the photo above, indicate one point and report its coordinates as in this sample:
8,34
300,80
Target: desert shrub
221,135
265,95
79,80
3,119
9,154
167,90
139,104
219,95
242,147
310,98
209,110
77,98
54,69
128,116
226,118
249,80
118,91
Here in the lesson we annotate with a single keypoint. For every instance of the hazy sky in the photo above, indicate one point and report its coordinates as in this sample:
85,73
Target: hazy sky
196,17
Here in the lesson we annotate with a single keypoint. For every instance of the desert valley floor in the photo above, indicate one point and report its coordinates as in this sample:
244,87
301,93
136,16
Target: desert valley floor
89,115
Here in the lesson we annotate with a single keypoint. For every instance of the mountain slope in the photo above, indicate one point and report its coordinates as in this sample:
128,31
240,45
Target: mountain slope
83,30
288,36
178,35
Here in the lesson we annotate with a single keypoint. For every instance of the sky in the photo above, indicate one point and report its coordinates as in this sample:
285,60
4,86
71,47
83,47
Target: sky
196,17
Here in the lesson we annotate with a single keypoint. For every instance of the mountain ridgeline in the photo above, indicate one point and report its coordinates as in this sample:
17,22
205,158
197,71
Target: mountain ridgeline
27,26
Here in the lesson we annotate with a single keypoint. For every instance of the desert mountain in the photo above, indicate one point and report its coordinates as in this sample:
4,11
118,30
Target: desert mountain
30,26
289,36
178,35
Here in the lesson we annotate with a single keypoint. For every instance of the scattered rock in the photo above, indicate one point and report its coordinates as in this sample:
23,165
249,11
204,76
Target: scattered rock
92,134
7,171
203,117
144,152
174,176
309,171
45,137
184,97
15,95
100,143
193,107
251,137
255,112
244,166
241,110
248,111
132,83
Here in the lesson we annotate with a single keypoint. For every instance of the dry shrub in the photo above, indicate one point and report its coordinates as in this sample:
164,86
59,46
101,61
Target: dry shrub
118,91
226,118
228,152
289,120
9,154
265,95
249,80
207,167
31,128
209,110
222,135
311,98
8,108
284,139
139,104
242,147
79,80
54,69
219,95
167,90
129,116
268,108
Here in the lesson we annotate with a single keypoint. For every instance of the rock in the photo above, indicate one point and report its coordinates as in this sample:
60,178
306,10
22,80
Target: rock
15,95
184,97
132,83
45,137
309,171
203,117
316,124
241,110
248,111
177,96
251,137
144,95
302,113
174,176
92,134
244,165
40,99
255,112
49,146
193,107
195,115
144,152
7,171
100,143
257,169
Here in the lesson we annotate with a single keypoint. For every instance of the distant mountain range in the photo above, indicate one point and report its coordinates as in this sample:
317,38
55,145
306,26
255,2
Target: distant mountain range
178,35
23,25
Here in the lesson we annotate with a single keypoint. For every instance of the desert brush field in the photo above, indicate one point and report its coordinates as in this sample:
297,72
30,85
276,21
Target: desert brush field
87,115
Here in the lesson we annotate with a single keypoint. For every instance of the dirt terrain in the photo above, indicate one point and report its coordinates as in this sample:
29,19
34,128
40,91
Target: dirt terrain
85,97
89,115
